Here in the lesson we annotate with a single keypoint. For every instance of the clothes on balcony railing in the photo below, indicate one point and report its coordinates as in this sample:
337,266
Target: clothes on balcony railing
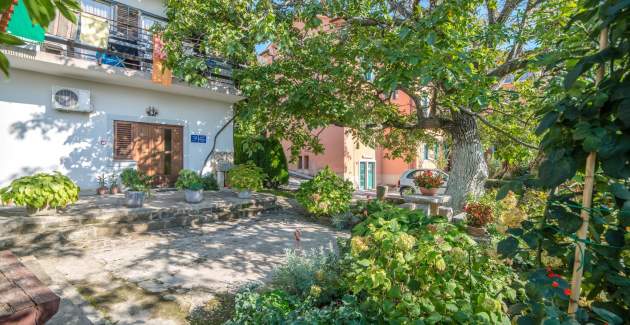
94,30
21,25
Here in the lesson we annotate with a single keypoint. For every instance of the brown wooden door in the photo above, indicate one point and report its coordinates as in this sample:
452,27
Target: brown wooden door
156,148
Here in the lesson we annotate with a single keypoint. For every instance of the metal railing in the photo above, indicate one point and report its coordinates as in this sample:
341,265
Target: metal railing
129,47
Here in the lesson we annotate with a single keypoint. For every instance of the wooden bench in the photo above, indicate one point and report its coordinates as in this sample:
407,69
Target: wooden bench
24,299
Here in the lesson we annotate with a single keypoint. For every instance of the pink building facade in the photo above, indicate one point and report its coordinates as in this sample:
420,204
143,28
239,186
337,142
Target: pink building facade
364,166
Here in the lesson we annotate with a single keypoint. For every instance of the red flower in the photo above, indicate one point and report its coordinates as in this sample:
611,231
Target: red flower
550,275
567,292
554,284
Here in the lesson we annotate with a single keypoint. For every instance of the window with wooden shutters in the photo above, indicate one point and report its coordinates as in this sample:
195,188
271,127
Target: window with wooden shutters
122,140
127,22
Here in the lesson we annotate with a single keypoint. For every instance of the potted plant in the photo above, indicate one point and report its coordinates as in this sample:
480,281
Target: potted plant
246,178
41,193
428,182
102,188
113,184
137,185
478,216
192,184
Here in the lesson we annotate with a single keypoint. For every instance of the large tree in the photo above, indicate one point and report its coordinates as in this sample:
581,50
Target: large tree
449,54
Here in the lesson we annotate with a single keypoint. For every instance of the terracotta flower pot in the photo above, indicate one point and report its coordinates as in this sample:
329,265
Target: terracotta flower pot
476,231
428,191
114,190
101,190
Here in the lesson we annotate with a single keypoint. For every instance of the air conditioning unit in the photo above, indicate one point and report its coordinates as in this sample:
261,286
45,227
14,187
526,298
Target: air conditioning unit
71,99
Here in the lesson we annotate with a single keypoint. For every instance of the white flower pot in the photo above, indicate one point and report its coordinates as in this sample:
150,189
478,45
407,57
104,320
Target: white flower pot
134,199
244,194
193,196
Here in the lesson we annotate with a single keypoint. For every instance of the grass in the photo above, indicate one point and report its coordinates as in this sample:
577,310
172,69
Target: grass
279,192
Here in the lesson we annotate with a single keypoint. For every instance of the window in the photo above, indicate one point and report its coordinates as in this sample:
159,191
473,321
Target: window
300,162
426,151
97,8
122,140
168,151
305,162
424,101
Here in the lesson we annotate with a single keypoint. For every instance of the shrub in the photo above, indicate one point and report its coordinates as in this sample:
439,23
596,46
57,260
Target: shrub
313,273
266,153
407,268
209,182
326,194
134,180
41,191
428,180
271,307
246,177
189,180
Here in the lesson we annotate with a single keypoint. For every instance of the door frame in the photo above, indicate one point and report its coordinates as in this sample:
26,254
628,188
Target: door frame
148,120
358,176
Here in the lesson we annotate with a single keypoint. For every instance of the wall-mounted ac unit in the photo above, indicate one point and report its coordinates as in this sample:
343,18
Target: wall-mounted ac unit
71,99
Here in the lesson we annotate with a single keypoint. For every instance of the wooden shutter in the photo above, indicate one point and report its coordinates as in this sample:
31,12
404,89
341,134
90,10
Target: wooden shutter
123,140
127,21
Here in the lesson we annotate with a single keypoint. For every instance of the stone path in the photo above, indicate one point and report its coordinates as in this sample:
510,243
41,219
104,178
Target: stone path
156,278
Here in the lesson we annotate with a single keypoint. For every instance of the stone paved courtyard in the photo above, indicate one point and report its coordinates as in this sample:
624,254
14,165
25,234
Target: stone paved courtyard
157,277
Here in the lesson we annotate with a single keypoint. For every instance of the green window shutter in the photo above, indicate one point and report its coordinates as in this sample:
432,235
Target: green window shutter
21,25
426,151
436,151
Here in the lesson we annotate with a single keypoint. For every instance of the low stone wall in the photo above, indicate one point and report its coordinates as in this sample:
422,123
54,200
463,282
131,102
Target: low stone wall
89,220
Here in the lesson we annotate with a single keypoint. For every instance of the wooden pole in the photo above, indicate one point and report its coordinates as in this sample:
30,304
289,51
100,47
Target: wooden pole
587,197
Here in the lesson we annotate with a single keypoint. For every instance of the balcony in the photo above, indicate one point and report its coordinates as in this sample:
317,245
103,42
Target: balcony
122,50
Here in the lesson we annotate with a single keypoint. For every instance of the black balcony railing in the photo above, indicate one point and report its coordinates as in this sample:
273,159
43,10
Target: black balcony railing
128,47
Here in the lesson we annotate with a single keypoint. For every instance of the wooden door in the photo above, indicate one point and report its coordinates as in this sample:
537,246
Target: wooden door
156,148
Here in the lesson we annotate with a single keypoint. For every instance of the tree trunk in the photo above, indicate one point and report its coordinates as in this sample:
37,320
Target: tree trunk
469,170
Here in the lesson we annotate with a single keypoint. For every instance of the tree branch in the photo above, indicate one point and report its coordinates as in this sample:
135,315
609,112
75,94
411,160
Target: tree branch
498,129
507,68
507,10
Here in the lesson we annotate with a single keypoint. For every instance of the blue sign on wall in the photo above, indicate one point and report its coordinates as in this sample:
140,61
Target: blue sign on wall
198,138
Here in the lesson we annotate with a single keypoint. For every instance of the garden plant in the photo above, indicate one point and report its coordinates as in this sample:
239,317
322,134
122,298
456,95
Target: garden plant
41,191
326,194
246,177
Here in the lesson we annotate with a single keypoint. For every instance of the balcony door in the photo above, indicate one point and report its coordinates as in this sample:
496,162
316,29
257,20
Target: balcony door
367,175
157,149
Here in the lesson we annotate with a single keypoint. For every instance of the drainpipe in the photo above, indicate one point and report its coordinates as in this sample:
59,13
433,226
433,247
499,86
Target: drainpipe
214,143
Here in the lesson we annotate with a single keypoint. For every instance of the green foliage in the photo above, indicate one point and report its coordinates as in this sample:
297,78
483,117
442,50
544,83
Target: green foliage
134,180
272,307
266,153
246,177
209,182
589,117
312,273
409,268
41,191
326,194
42,12
189,180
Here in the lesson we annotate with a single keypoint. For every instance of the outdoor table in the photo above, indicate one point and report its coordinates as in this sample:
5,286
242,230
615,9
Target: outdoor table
24,299
433,201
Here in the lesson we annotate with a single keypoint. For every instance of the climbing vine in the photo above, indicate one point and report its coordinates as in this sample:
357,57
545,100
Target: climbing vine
591,117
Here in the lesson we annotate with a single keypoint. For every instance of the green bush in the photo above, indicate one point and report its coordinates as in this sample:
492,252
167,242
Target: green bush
189,180
271,307
246,177
409,267
266,153
326,194
41,191
209,182
134,180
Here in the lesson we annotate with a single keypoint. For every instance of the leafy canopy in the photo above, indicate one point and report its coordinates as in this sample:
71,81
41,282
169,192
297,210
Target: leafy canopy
447,56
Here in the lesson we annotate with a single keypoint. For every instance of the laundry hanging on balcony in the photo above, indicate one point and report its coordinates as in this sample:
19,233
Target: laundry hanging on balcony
94,30
160,73
22,26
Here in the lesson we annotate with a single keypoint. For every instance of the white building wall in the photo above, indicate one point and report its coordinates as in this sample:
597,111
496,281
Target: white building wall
35,137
